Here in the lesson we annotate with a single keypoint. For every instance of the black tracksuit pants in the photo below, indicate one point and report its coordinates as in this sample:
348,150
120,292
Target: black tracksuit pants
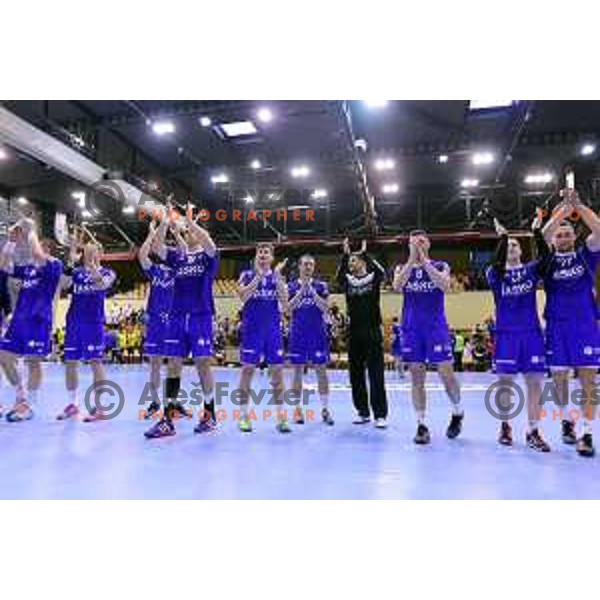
365,352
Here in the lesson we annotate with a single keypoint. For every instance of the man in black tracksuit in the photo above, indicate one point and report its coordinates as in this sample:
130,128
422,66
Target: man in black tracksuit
360,277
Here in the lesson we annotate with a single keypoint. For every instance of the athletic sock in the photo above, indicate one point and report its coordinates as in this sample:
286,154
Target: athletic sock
209,404
74,397
324,400
533,425
457,408
586,427
420,417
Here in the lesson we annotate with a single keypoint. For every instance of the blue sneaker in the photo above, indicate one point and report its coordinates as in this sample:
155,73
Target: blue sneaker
161,429
21,411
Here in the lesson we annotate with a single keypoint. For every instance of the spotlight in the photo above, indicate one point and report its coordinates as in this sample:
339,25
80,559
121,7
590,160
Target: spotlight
319,193
255,164
128,210
390,188
205,121
301,171
443,158
220,178
265,115
163,127
376,103
3,154
384,164
469,183
541,178
86,214
588,149
483,158
22,200
249,200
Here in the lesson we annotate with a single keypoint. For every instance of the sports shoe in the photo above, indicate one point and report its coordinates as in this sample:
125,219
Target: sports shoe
536,442
21,411
298,416
164,428
206,426
283,426
455,426
360,420
380,423
422,436
585,445
568,432
152,409
71,411
327,416
505,437
245,425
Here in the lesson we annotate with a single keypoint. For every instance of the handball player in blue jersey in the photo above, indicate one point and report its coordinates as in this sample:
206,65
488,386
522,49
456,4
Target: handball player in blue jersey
308,341
425,333
263,293
572,336
30,329
88,285
396,347
158,307
195,262
519,346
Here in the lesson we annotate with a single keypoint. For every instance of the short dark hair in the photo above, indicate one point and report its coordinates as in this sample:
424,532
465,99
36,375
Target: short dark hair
268,245
417,232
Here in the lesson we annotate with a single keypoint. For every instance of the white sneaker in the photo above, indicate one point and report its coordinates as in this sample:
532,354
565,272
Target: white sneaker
360,420
380,423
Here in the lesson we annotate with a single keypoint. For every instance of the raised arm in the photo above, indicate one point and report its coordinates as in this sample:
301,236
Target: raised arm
499,261
146,247
590,218
559,214
543,252
342,270
202,234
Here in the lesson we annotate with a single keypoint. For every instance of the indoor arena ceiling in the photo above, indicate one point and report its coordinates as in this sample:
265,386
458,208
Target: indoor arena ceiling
379,166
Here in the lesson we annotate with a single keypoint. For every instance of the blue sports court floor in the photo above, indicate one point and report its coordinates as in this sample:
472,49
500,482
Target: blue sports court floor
44,458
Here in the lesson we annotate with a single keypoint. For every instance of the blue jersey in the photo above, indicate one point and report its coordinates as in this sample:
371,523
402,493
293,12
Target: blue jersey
569,285
396,334
38,286
87,302
515,297
423,306
262,308
194,276
307,318
162,285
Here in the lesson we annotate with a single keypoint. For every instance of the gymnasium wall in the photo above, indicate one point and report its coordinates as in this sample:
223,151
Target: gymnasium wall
464,310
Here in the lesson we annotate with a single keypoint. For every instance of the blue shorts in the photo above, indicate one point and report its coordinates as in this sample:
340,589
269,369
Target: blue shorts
421,346
84,341
27,337
396,348
520,352
569,345
189,334
157,332
261,343
305,350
